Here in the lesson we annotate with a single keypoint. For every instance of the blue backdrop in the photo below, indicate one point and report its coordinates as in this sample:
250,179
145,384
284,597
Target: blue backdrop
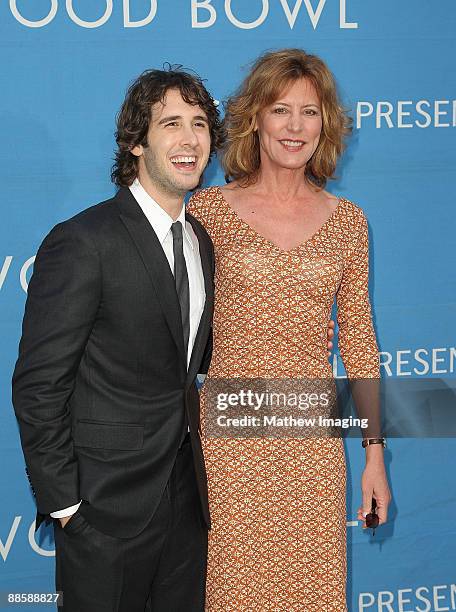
65,68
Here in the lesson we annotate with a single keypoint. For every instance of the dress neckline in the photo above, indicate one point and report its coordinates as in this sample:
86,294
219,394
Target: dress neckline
302,244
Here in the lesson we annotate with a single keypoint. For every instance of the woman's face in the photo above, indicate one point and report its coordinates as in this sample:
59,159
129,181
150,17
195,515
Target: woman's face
289,129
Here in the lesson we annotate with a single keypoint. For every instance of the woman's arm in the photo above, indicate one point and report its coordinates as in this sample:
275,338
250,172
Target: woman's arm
359,352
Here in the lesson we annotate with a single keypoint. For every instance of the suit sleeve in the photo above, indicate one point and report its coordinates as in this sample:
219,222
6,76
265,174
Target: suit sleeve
62,302
64,512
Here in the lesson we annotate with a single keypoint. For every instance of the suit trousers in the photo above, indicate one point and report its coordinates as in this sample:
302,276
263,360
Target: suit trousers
161,569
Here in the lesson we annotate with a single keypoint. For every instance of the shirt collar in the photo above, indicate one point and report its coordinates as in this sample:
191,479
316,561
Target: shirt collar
156,215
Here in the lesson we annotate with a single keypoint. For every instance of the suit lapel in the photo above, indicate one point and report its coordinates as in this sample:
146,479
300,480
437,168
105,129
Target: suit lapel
155,262
206,317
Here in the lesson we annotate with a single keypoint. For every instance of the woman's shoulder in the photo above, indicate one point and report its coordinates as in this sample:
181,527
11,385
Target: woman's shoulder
202,200
206,193
351,207
352,214
204,205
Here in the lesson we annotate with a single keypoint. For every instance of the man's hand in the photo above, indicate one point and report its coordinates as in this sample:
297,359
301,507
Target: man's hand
64,520
330,335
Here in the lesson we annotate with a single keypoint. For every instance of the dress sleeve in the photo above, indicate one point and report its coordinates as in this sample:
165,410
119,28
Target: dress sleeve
357,341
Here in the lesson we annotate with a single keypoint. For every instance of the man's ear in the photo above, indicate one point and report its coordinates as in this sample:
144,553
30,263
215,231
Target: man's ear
137,150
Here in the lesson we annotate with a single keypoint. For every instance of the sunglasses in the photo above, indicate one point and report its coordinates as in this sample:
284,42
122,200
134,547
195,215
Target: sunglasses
372,518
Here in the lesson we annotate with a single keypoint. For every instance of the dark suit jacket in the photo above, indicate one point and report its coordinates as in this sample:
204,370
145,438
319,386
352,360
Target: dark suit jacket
101,383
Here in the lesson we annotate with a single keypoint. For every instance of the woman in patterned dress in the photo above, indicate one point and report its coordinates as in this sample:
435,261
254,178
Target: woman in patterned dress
285,249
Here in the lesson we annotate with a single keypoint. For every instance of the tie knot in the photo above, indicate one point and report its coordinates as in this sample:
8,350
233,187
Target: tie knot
176,229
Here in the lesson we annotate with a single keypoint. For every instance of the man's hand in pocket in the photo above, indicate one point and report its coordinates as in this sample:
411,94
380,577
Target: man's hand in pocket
64,520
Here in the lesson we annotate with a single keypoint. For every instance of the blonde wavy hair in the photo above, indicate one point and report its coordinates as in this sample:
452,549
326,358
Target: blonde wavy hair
271,74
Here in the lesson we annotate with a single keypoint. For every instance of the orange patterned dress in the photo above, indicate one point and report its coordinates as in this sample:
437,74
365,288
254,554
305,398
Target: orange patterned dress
278,538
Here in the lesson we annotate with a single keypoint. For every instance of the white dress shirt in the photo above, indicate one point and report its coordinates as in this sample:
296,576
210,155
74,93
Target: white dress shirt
161,224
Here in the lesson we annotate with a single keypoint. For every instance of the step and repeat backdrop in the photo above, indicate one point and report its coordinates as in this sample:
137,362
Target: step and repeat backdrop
65,69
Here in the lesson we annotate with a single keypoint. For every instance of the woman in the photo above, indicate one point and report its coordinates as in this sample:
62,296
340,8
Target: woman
285,248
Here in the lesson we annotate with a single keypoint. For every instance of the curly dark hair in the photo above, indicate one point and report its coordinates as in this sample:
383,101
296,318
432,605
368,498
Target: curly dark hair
134,117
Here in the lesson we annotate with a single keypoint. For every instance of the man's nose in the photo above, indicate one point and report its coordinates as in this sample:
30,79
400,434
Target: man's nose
189,136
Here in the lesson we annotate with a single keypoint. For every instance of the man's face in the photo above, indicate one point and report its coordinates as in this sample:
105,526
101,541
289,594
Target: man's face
178,146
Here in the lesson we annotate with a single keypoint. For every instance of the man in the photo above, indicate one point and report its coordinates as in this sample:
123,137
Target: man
116,329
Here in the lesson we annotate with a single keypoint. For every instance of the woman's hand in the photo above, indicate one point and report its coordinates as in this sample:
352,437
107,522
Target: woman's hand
374,483
330,336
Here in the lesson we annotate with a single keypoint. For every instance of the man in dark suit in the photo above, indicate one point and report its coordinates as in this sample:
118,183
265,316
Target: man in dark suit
116,328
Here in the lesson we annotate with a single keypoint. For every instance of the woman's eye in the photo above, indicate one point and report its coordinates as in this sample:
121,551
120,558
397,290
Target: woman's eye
280,110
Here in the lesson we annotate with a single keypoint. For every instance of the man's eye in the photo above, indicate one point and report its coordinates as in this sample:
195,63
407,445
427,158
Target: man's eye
201,124
171,123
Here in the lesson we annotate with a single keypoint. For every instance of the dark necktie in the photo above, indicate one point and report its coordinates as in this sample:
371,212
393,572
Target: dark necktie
181,280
